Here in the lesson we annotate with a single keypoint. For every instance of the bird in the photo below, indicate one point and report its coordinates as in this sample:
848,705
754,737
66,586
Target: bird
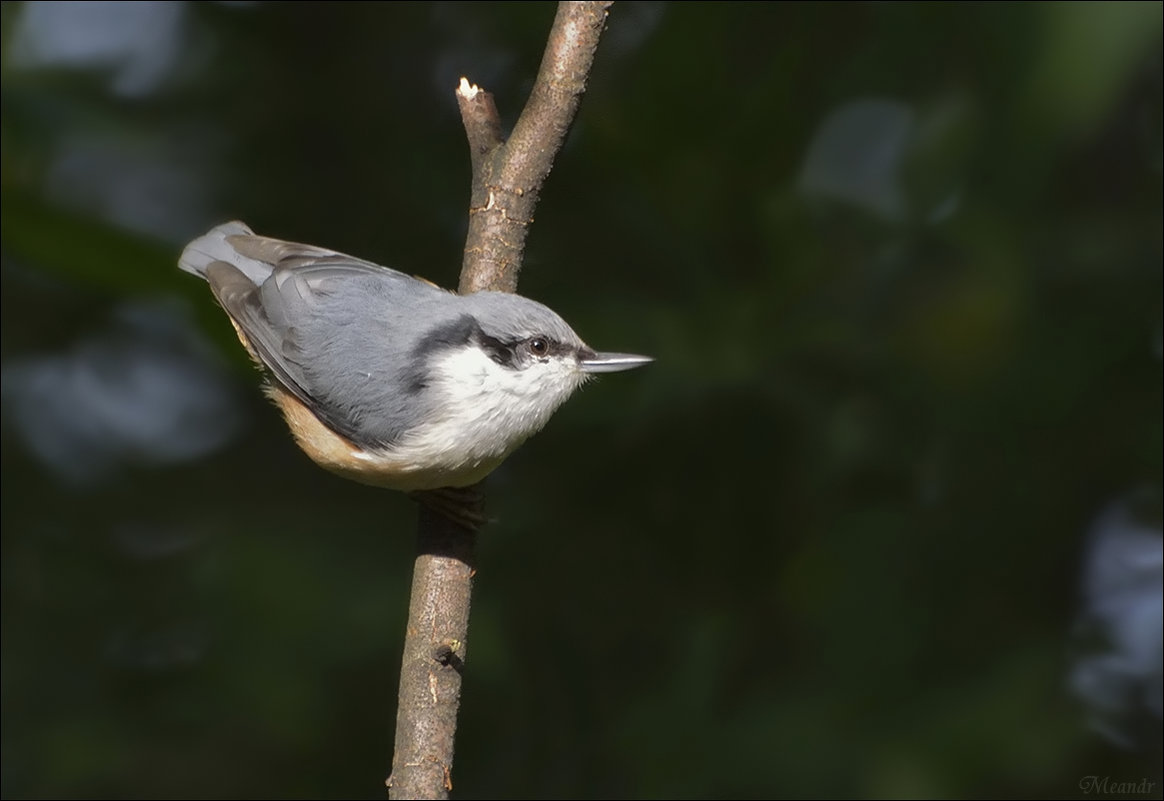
388,379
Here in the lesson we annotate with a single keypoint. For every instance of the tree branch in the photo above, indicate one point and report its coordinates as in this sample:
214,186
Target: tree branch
507,178
434,653
482,123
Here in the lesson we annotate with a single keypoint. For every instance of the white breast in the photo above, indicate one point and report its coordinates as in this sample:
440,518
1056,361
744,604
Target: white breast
487,411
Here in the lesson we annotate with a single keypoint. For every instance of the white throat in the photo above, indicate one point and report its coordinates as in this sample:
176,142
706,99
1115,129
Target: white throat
488,409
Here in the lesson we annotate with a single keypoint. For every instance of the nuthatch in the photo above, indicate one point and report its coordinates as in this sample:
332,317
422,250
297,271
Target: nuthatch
387,379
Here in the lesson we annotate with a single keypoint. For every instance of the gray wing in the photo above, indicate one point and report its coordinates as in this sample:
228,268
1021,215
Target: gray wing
335,331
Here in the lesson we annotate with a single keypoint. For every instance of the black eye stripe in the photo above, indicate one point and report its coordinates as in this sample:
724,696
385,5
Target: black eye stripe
557,348
450,335
514,354
504,353
550,347
518,353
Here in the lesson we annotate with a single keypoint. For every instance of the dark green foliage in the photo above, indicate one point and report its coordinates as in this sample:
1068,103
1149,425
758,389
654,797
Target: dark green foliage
829,544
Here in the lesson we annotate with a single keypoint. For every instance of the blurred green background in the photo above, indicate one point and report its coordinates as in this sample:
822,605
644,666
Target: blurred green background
882,520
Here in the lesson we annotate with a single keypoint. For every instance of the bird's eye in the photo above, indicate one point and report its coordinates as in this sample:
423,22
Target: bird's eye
539,346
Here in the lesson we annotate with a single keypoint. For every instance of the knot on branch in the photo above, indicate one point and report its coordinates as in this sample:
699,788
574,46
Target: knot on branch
446,654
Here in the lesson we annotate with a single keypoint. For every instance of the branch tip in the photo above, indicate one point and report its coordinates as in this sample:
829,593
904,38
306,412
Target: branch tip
468,90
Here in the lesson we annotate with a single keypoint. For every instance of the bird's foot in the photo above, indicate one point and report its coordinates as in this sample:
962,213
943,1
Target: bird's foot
464,506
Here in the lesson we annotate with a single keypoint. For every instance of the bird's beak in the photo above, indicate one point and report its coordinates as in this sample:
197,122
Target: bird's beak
591,362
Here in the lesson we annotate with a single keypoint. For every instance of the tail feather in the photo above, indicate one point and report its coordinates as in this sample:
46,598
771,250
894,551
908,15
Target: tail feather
214,247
